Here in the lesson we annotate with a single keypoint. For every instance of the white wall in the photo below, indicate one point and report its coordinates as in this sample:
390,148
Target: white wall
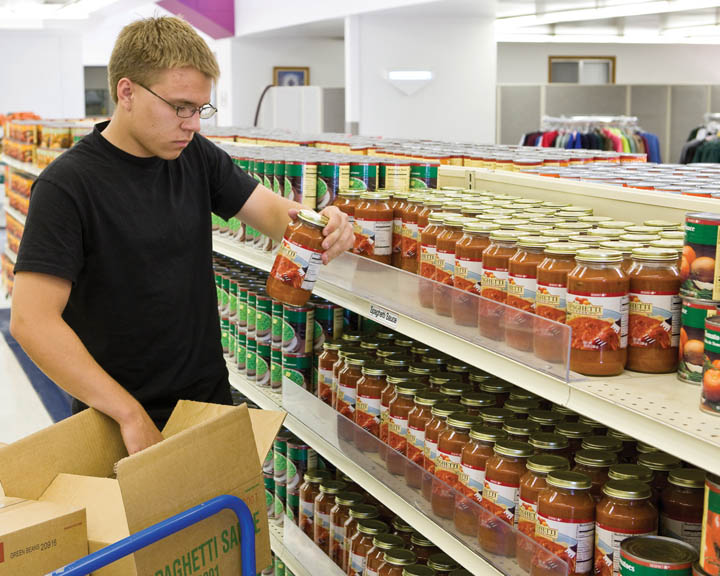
458,104
46,77
527,63
252,61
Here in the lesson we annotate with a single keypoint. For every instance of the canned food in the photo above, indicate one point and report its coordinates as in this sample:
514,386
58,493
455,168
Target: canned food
697,266
240,350
328,324
656,556
251,358
275,368
423,175
711,367
692,338
292,506
280,499
298,329
277,323
331,178
269,482
297,369
262,364
710,539
280,567
300,459
363,176
301,183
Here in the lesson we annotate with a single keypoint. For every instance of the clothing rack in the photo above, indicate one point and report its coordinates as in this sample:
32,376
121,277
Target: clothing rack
703,144
586,122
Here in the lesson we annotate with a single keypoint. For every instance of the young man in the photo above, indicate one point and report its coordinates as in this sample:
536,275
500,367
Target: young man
114,293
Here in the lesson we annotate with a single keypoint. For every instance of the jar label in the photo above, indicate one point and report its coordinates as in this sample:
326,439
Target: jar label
307,510
688,532
571,540
521,291
325,378
322,521
526,516
472,479
607,547
468,274
447,467
338,534
500,499
410,236
373,237
445,266
369,572
397,432
346,396
416,444
550,301
430,455
599,321
367,414
357,564
397,236
296,265
428,257
654,319
493,280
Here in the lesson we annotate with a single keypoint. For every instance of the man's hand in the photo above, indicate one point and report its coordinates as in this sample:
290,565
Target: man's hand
139,431
338,232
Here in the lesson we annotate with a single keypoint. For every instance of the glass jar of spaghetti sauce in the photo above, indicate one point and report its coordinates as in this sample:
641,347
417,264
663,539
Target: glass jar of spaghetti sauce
681,515
410,234
346,201
308,492
547,419
468,270
654,313
451,444
326,361
473,460
338,516
381,544
358,513
445,264
361,544
339,366
373,227
624,511
442,564
402,529
428,253
422,547
398,411
661,465
575,433
434,427
394,378
348,378
550,443
324,503
629,446
625,248
395,561
498,388
522,286
459,368
596,464
597,311
495,417
550,298
494,283
418,418
500,496
367,406
453,390
474,402
531,484
294,272
565,523
398,203
439,379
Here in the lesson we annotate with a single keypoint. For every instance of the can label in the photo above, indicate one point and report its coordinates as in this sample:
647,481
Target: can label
367,414
423,176
472,480
297,265
699,263
654,319
225,333
275,368
710,541
268,466
331,179
363,177
632,566
242,307
251,311
262,365
251,358
292,506
397,176
397,433
373,237
301,458
263,319
298,330
301,183
468,274
500,499
607,547
692,339
297,369
711,369
688,532
279,501
328,325
571,540
279,177
599,321
276,328
241,351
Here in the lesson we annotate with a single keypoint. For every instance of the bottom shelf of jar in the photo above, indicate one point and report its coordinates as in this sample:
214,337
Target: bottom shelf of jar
453,512
298,552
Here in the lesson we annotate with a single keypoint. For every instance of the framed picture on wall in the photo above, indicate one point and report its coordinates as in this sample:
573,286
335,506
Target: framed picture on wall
291,76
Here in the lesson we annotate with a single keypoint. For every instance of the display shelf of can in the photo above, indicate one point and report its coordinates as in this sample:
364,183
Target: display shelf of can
443,537
656,409
614,201
15,214
23,166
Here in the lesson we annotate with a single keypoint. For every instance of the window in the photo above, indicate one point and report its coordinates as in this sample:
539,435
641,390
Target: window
581,69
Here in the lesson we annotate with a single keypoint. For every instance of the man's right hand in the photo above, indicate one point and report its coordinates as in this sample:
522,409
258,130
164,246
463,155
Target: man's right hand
139,432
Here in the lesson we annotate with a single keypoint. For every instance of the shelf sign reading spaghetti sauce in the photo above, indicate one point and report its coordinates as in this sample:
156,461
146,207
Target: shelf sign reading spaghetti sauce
383,316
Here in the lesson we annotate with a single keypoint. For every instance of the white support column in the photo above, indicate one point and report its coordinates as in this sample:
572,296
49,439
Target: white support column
352,74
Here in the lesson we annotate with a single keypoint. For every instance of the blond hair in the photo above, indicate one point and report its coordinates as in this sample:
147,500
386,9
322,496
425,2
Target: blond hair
146,47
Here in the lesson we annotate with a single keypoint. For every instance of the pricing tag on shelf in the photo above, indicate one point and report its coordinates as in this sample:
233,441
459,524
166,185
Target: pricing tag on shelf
383,316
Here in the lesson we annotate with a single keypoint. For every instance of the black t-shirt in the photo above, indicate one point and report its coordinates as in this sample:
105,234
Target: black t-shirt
133,235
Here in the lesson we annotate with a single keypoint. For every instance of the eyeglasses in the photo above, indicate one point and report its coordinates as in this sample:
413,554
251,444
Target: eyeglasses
206,110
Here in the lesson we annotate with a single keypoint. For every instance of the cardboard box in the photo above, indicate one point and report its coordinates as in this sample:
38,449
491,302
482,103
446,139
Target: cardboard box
209,450
39,536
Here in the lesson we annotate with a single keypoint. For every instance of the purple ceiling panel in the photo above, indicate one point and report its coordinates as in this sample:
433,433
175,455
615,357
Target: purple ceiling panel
215,18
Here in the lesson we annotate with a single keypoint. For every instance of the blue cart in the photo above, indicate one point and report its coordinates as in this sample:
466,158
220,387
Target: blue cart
166,528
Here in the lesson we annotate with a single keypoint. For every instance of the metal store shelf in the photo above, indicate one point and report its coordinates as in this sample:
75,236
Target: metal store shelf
15,214
656,409
23,166
270,400
614,201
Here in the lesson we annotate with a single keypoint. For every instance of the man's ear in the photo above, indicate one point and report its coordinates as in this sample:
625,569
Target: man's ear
125,93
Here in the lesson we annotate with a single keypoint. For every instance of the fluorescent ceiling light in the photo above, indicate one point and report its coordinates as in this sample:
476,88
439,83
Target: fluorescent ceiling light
692,31
602,13
607,39
410,75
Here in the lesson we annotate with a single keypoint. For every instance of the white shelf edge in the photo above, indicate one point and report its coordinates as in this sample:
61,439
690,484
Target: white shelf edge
22,166
277,545
16,214
10,254
268,400
586,397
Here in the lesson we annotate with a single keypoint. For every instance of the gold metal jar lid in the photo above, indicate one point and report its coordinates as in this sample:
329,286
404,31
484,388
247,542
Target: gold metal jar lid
420,540
434,358
374,369
400,557
487,433
315,476
428,398
364,511
462,420
599,255
401,526
388,541
511,224
669,244
495,415
636,229
441,562
573,226
332,486
580,210
687,477
513,448
594,219
545,417
546,463
672,234
622,246
617,224
491,384
595,458
399,378
630,472
602,443
332,345
349,193
455,388
520,427
349,498
569,480
627,489
477,400
573,430
589,241
357,360
612,233
440,378
313,218
663,224
521,406
436,218
655,254
444,409
548,441
564,248
643,238
535,241
398,361
482,228
410,388
659,461
372,527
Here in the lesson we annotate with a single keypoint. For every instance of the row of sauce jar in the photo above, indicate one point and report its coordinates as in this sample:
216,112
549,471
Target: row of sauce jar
463,438
615,283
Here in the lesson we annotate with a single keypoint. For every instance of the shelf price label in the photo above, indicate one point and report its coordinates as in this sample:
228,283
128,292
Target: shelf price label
383,316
